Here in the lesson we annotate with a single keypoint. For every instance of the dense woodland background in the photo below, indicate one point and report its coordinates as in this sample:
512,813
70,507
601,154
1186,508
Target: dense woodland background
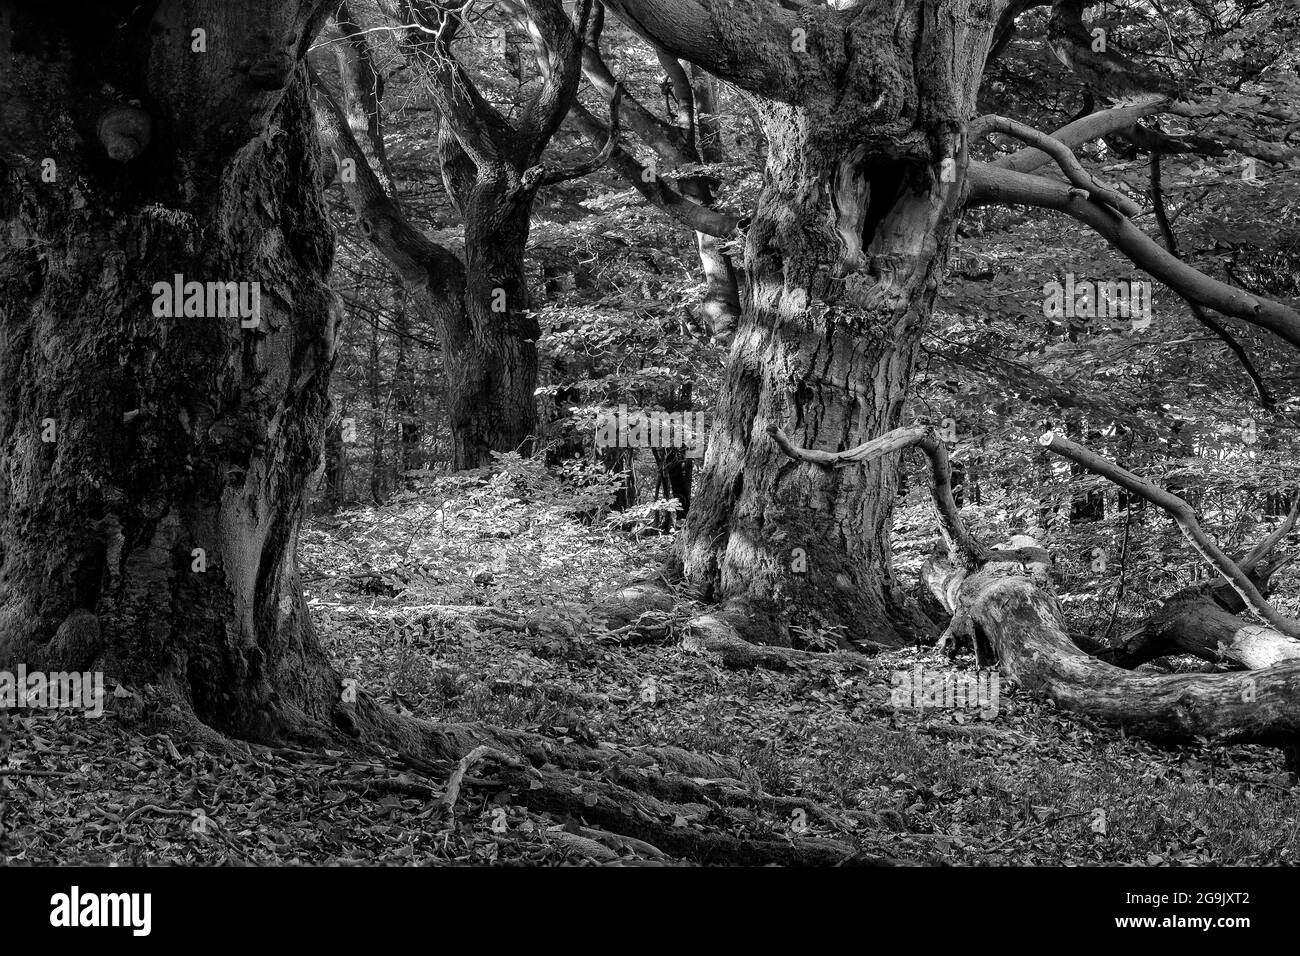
487,590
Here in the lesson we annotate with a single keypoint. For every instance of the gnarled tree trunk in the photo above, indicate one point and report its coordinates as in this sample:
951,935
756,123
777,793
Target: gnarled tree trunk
842,259
152,465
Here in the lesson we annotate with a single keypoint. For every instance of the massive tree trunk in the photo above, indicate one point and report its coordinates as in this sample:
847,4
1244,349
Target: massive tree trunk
843,259
154,465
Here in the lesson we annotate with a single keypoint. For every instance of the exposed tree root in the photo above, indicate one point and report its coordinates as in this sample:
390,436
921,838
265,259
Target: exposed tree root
739,636
713,634
643,817
647,801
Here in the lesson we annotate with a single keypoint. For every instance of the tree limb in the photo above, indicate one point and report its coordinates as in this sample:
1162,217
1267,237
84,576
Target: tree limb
956,533
1183,516
1261,550
1063,156
1093,126
746,42
1105,69
654,188
485,135
546,174
561,45
989,184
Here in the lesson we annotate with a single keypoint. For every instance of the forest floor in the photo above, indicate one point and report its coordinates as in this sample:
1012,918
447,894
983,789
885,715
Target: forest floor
471,602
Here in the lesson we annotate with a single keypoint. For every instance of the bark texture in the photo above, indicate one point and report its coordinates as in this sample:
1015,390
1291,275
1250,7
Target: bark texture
842,262
153,468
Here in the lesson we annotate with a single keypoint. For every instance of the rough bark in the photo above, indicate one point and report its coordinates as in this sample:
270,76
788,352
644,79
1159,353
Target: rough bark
154,536
842,262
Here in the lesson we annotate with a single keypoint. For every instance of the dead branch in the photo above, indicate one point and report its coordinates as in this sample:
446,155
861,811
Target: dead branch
469,760
1185,518
954,528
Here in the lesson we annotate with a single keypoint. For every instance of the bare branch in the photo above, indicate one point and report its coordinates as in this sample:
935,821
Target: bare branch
1183,516
959,538
485,135
1064,157
1261,550
1171,243
991,185
545,174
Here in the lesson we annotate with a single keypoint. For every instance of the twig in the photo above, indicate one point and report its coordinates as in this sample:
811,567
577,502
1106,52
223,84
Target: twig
1064,157
458,775
157,809
11,772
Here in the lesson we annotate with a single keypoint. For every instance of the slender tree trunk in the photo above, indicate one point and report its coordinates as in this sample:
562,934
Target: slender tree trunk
406,379
621,461
153,536
378,421
336,465
721,306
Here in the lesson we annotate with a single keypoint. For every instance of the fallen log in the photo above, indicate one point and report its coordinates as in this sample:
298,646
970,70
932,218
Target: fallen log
1022,624
1003,603
1195,624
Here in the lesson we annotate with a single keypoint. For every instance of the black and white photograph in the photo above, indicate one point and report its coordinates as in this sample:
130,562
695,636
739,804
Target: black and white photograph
850,447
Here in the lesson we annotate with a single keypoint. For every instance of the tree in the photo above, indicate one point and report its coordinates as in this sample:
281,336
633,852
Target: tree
861,195
158,436
867,174
493,169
